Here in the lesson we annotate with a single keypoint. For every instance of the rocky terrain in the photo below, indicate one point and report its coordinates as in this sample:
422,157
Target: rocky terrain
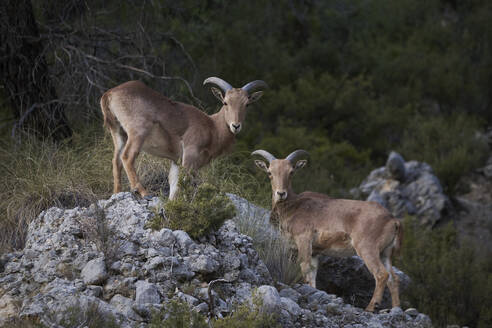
104,255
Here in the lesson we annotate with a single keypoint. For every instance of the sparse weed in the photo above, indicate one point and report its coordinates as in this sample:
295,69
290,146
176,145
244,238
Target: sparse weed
97,230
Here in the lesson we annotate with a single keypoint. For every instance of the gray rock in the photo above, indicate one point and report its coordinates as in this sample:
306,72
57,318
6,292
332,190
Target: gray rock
127,248
94,272
320,297
269,297
407,187
290,306
349,278
412,312
147,293
290,293
125,305
423,320
487,171
203,264
396,166
191,300
182,238
396,312
201,308
306,289
164,237
96,291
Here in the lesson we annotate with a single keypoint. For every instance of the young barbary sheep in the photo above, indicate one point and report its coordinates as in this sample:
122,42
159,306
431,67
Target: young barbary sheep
320,225
140,118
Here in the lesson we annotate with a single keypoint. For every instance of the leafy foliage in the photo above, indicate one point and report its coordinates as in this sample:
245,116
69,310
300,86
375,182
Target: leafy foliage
449,283
177,314
449,154
246,316
198,208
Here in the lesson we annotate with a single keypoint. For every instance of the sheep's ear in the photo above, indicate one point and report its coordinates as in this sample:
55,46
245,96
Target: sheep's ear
300,164
218,94
261,165
255,96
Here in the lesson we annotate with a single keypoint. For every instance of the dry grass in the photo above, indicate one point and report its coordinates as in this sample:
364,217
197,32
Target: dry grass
37,175
277,253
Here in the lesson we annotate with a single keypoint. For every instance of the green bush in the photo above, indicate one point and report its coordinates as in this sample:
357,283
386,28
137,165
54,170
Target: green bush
178,314
198,208
448,281
448,144
247,316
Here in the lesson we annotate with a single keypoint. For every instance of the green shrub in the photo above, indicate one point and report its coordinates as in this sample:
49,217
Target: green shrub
448,144
177,314
198,208
23,323
236,174
247,316
449,282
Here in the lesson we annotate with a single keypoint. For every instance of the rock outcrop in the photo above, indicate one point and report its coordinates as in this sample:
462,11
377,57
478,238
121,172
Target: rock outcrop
105,256
406,188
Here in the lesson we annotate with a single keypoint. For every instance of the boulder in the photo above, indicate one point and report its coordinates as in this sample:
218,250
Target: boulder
350,279
147,293
94,272
270,298
406,188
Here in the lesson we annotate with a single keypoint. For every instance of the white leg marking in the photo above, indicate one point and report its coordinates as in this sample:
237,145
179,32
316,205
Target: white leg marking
121,141
313,271
173,180
388,267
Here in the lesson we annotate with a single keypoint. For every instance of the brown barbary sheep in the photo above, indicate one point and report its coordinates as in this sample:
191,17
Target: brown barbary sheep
140,118
320,225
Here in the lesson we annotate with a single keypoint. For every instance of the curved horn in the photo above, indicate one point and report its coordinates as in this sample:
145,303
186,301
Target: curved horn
269,157
292,156
218,82
253,85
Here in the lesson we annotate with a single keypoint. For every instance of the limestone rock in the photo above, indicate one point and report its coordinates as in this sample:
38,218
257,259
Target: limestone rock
406,188
147,293
94,272
270,299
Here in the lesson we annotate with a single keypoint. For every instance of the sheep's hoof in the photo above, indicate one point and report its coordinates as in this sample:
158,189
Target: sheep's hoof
372,309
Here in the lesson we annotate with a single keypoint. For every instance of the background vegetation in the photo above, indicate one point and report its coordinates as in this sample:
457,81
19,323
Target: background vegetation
349,82
448,280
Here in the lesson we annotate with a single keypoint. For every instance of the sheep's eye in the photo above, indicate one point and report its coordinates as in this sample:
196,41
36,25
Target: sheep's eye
225,104
291,172
269,175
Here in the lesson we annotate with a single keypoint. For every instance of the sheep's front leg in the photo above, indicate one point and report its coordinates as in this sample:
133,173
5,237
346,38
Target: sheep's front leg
309,264
173,180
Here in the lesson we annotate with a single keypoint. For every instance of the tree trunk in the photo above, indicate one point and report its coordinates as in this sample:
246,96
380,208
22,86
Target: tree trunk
25,75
